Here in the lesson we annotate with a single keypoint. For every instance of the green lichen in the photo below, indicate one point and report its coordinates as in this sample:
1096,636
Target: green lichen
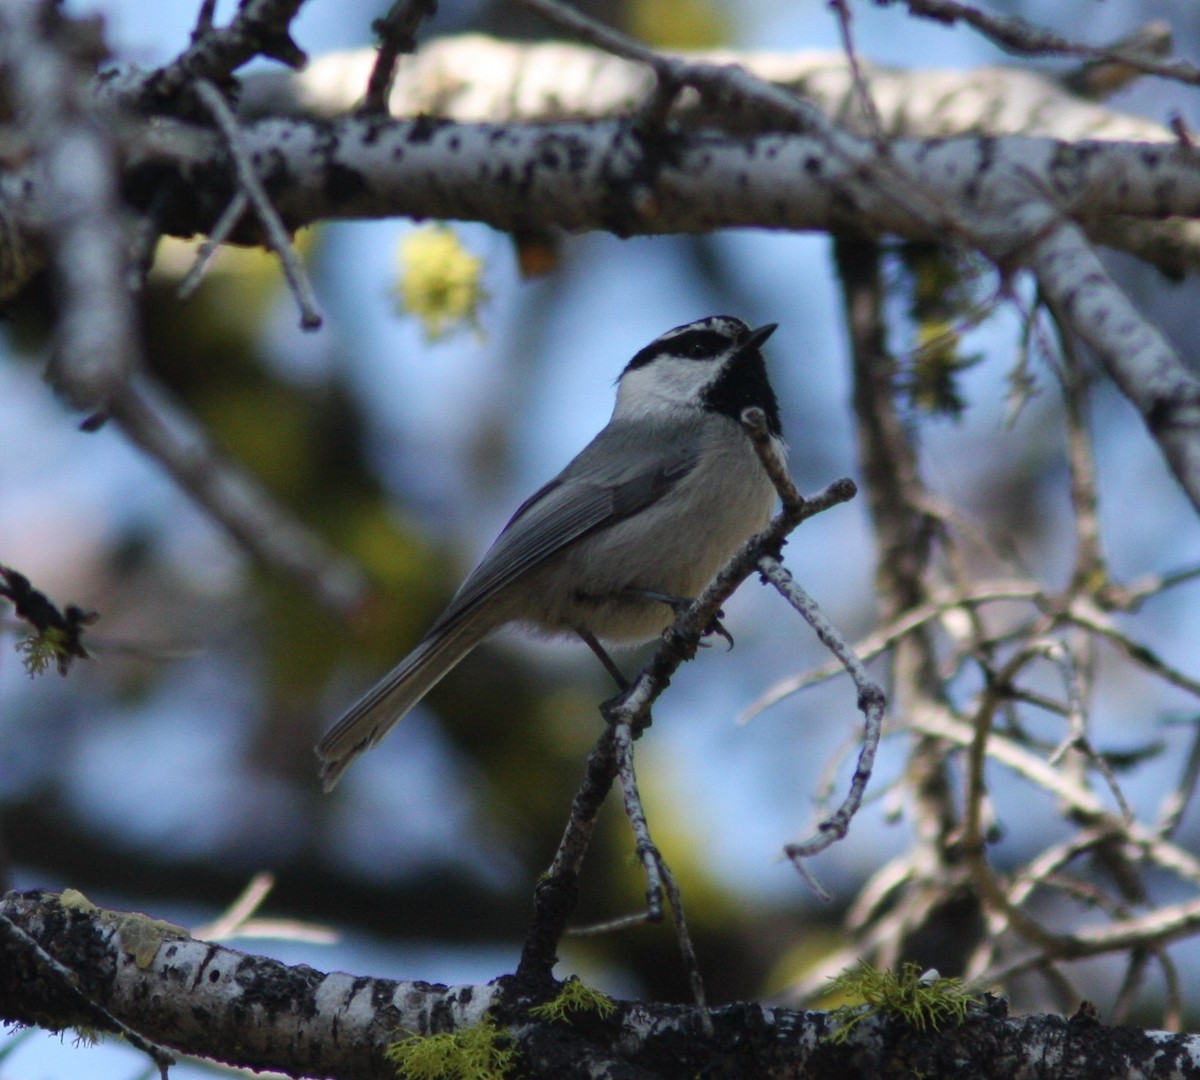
926,1002
480,1052
45,649
574,997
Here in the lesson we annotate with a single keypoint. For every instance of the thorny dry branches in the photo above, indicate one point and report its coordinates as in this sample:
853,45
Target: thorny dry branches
1009,642
1064,630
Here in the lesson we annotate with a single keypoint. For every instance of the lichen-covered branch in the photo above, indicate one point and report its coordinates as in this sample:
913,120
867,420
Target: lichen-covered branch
254,1012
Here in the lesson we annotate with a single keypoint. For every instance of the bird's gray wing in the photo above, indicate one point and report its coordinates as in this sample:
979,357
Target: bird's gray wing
583,498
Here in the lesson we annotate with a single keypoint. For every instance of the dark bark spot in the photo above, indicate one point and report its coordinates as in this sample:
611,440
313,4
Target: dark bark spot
424,128
373,128
342,184
987,154
1158,416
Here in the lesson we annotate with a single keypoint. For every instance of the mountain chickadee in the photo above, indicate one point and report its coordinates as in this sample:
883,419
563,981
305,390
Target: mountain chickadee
643,518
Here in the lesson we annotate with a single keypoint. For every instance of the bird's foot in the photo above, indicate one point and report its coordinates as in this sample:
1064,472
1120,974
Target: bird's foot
679,604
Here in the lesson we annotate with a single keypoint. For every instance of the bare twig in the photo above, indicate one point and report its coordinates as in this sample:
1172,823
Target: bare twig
1024,38
226,223
259,28
886,637
239,920
277,235
862,91
1090,566
1170,813
397,33
1077,737
871,702
1079,800
556,892
235,501
1085,613
240,911
646,849
657,872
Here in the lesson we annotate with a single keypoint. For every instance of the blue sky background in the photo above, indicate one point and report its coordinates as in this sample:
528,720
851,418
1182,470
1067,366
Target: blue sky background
746,790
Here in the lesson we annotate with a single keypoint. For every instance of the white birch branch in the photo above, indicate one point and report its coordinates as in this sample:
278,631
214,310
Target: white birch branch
476,78
254,1012
1022,200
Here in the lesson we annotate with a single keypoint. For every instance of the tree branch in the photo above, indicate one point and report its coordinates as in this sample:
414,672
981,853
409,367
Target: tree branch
254,1012
260,28
235,500
96,344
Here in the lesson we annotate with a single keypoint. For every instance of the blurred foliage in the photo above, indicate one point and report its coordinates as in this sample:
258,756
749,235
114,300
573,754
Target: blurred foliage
679,24
942,303
303,442
441,282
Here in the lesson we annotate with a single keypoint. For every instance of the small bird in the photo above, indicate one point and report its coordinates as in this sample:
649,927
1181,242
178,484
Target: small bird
636,525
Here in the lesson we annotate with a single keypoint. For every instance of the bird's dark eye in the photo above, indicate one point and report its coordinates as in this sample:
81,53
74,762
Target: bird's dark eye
699,344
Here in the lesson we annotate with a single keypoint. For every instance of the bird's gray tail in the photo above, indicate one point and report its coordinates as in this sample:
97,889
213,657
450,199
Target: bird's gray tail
384,706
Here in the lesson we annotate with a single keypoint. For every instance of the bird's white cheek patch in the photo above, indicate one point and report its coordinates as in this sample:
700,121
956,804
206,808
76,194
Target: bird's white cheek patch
661,386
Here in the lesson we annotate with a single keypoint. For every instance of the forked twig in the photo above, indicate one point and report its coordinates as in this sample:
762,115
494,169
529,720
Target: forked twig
397,35
612,756
277,234
871,701
259,28
226,223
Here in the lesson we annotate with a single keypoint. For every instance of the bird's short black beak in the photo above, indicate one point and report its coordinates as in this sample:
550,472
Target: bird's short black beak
755,338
